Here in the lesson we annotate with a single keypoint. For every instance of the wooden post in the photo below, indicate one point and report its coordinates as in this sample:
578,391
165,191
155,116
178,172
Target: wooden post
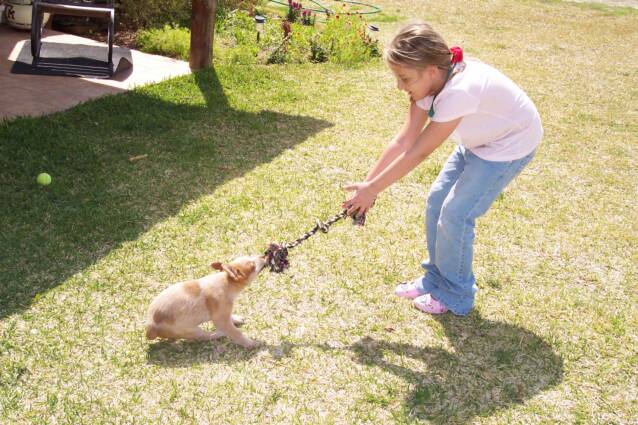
202,30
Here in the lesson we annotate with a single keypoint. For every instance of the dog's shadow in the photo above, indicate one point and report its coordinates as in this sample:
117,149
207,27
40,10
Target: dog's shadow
179,354
489,366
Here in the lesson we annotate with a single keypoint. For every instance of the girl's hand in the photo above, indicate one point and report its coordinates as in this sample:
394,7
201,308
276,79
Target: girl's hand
362,200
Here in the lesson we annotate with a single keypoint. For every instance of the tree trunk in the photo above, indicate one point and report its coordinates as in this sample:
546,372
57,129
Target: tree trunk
202,30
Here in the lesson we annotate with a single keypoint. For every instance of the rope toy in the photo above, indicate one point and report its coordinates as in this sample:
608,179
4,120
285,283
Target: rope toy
277,255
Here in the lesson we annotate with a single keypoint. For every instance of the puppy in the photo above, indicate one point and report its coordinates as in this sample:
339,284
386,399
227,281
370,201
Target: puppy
179,309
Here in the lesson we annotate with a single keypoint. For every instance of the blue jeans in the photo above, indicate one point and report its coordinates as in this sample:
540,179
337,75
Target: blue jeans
464,190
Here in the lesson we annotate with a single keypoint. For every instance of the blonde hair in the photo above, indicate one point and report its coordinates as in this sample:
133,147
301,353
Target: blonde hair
416,46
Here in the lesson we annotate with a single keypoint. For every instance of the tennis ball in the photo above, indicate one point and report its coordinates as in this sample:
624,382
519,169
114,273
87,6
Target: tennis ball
44,179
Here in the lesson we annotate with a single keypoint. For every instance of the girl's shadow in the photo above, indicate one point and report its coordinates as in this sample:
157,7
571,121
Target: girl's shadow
491,366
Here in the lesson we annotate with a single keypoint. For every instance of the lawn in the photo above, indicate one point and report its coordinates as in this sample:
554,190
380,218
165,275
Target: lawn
241,156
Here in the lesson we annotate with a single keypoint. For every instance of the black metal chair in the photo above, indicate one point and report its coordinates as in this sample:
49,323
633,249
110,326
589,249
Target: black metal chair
86,8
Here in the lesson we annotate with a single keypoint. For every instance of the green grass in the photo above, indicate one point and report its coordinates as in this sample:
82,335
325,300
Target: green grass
245,155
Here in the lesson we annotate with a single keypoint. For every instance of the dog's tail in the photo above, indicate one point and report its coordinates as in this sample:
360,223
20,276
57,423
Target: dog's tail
151,331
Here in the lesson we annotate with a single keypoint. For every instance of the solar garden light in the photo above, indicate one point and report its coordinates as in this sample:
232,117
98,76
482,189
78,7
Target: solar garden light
259,23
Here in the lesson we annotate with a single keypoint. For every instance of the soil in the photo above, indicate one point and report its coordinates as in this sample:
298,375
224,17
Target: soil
123,37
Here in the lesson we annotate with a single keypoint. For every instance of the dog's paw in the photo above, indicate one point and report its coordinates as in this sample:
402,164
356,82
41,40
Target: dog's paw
250,344
238,320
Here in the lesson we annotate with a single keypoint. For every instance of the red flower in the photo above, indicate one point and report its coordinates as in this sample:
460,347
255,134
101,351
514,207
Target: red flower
457,54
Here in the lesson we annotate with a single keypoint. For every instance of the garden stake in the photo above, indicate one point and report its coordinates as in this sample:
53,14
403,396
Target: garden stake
277,255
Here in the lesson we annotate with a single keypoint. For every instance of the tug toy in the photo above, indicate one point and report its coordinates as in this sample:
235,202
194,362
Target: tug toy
277,255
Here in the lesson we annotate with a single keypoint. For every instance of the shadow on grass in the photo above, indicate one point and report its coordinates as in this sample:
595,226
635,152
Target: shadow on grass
99,198
181,354
493,365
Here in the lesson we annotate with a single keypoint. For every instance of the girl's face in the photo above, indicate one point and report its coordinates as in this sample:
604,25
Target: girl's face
417,83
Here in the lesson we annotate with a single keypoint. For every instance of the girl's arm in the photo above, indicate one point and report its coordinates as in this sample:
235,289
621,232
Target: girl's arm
430,138
412,127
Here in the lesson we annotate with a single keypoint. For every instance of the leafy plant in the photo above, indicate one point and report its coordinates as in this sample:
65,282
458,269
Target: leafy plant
308,18
294,11
318,52
346,40
169,41
297,13
343,39
153,13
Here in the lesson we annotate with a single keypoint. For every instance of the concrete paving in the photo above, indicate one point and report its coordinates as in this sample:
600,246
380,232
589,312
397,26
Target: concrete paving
33,95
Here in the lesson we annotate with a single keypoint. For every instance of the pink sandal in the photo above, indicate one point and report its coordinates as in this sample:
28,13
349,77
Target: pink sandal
428,304
407,290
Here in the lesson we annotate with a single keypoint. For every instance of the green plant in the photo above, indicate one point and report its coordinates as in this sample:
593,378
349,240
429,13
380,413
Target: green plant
318,52
278,55
224,7
294,11
238,27
297,13
154,13
308,18
169,41
342,40
346,40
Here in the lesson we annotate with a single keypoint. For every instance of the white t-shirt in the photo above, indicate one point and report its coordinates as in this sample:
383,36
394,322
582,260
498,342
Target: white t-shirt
500,122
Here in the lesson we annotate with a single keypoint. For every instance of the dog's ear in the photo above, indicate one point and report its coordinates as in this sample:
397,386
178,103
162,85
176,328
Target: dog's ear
230,270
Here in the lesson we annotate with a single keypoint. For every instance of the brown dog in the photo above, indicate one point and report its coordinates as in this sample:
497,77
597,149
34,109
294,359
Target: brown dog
179,309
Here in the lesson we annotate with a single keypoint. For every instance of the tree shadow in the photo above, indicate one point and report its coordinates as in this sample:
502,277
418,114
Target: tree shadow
99,197
493,366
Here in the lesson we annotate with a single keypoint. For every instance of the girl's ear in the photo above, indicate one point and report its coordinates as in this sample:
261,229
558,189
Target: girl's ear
432,71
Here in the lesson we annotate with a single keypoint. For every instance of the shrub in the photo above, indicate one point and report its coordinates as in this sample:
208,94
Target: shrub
224,7
154,13
343,40
318,52
170,41
297,13
157,13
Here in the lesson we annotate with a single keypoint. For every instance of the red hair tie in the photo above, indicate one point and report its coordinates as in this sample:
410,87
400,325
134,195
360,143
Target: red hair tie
457,54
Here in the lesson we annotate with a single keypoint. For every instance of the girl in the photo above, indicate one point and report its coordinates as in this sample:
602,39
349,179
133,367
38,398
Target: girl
497,129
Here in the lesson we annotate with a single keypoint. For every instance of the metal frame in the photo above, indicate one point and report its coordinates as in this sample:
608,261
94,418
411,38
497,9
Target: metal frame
74,8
